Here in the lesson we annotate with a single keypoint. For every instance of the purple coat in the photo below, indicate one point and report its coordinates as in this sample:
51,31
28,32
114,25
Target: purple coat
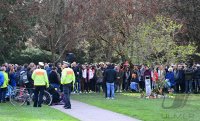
147,73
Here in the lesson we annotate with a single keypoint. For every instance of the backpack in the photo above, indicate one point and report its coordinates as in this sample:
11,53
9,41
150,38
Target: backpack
1,79
23,77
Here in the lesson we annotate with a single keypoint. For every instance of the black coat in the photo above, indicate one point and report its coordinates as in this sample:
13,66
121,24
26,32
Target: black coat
110,75
189,74
53,78
181,75
197,74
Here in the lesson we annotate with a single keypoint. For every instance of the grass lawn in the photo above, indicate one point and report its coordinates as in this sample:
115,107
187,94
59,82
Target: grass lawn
147,109
28,113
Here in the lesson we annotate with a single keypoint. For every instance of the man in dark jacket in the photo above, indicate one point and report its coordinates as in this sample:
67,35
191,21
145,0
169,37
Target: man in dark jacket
77,87
49,69
54,78
110,77
59,70
188,79
197,78
180,82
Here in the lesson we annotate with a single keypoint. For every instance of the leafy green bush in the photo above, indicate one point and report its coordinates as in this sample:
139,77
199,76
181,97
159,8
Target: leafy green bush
30,55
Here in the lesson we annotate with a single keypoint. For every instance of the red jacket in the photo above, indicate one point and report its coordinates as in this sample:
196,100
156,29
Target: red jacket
155,76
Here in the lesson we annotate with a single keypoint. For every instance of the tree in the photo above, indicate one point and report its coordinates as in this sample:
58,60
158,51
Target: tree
58,27
187,13
157,44
112,28
16,19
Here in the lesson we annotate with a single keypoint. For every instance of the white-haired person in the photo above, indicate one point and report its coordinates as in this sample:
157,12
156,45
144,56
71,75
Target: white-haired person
170,79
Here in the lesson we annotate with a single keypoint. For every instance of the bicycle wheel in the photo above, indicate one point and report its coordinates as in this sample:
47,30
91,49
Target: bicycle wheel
47,98
18,97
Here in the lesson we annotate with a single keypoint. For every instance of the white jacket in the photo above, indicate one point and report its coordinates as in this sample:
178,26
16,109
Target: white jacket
84,73
91,74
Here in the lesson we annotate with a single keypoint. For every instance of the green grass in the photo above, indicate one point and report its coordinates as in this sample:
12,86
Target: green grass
147,109
28,113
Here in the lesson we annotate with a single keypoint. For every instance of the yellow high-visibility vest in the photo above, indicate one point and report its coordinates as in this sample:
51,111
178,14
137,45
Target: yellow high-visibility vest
40,78
68,76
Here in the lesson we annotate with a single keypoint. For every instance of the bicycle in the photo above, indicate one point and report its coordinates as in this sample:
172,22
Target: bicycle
19,97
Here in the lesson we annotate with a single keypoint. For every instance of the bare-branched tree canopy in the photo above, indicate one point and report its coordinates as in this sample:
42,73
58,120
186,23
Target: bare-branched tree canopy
101,30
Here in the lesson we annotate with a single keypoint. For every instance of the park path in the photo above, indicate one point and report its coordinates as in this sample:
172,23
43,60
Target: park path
85,112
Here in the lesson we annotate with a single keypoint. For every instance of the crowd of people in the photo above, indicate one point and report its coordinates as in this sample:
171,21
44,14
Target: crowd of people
105,77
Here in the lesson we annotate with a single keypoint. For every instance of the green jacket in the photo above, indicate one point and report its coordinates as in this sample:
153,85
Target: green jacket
5,84
40,78
68,76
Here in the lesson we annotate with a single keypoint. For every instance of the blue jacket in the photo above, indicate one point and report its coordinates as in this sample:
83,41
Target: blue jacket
1,77
12,77
170,76
49,69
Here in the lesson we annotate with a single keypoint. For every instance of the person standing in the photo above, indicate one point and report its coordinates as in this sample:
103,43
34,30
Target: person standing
197,78
12,76
5,84
154,77
75,68
24,76
161,73
180,76
84,85
188,79
127,78
85,78
49,68
67,80
99,75
110,77
41,82
91,78
147,73
54,78
1,79
59,68
170,80
142,81
120,75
